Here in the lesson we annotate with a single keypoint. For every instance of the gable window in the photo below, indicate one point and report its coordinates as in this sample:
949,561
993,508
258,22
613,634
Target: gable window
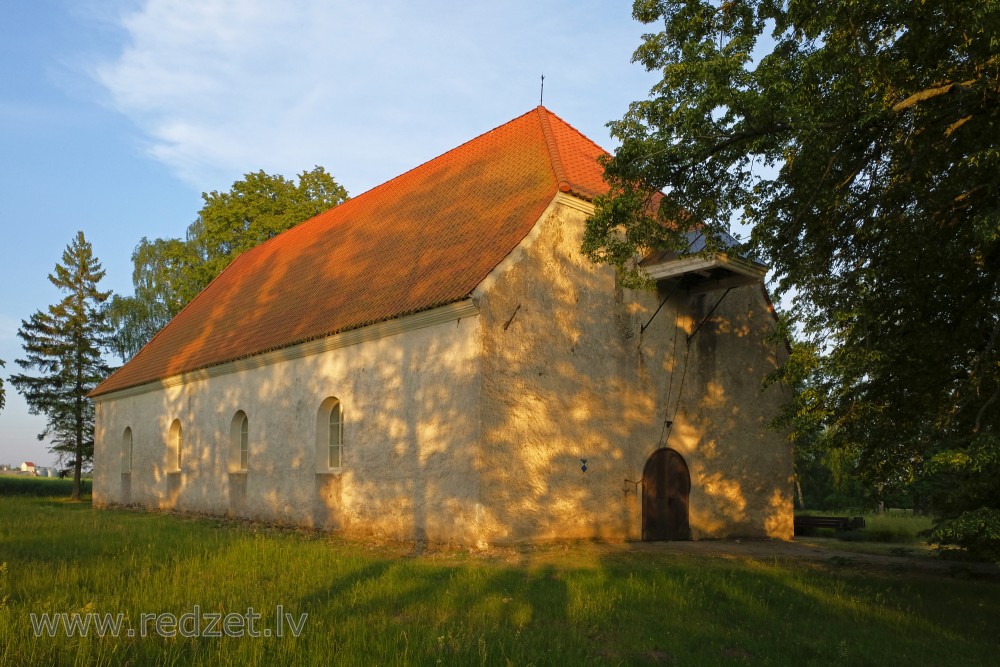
127,450
239,442
330,435
176,444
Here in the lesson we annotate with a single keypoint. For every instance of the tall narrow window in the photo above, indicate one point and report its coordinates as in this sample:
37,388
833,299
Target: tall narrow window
330,435
176,441
244,443
127,450
239,442
336,437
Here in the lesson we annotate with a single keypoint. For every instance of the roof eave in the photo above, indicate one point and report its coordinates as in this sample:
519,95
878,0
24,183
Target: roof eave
707,272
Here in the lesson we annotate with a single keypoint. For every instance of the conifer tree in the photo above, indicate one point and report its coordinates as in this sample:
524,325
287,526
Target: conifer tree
63,344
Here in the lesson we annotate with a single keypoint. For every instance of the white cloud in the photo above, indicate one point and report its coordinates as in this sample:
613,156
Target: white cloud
366,89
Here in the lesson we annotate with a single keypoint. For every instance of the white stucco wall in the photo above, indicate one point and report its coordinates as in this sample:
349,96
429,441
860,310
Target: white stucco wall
567,375
411,429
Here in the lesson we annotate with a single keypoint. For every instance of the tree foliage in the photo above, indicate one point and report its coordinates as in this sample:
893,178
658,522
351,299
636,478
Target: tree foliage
168,273
861,143
3,393
63,344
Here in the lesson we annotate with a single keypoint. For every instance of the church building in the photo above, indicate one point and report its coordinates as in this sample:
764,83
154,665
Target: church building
436,360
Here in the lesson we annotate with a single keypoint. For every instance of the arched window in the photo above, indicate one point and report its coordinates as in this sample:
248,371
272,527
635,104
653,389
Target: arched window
330,435
127,450
239,442
176,441
244,443
336,437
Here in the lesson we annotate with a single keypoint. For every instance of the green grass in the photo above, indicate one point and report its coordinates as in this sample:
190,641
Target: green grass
895,526
24,485
895,533
381,604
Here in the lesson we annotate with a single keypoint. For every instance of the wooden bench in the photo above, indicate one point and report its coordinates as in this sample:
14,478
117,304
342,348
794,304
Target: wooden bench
803,524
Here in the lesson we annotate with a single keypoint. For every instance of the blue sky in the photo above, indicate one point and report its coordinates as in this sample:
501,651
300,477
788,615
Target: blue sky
116,116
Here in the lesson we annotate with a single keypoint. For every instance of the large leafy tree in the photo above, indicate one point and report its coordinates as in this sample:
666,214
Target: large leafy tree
63,344
860,141
168,273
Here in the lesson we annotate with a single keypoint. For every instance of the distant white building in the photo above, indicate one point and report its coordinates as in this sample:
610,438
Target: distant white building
28,466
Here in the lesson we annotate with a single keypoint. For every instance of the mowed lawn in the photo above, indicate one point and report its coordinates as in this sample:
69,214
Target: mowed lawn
383,604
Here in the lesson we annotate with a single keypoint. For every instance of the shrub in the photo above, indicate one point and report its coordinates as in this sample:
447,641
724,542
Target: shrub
977,532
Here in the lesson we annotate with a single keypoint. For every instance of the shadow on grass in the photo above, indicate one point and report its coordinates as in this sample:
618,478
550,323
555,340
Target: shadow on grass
562,604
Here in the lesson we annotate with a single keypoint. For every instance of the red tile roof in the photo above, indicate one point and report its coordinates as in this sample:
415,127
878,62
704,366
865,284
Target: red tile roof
424,239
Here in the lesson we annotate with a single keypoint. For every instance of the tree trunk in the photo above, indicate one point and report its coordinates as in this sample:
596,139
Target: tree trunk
78,463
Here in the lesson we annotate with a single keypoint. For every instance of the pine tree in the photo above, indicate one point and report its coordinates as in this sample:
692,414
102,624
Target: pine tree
63,343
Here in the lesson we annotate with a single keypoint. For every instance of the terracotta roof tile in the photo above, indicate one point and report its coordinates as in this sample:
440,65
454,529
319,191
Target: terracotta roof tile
423,239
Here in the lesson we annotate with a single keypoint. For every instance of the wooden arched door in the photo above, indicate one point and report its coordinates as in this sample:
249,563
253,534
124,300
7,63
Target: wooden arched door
666,485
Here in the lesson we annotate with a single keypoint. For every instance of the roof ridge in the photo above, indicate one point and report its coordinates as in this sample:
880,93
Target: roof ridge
550,143
570,126
367,194
437,157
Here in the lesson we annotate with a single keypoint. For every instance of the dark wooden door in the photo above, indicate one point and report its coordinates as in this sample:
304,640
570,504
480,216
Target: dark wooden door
666,485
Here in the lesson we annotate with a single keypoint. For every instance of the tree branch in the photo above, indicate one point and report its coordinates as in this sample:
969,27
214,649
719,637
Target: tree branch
929,93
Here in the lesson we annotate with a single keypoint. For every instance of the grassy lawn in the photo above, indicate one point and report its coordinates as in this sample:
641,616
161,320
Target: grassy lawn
895,526
381,604
24,485
895,533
